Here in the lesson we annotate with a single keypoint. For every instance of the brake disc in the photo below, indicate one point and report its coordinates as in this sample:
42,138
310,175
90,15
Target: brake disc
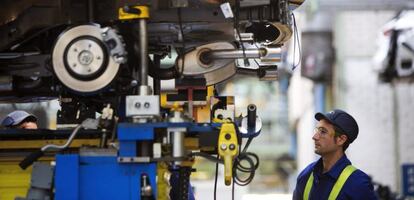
82,61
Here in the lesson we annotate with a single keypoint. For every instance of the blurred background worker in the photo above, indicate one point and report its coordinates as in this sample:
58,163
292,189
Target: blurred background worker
20,119
333,176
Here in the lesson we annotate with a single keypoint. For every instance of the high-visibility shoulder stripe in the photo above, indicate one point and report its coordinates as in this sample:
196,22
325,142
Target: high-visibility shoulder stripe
308,187
343,177
341,181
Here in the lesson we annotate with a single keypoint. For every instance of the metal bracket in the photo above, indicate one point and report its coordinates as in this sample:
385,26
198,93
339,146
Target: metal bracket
142,105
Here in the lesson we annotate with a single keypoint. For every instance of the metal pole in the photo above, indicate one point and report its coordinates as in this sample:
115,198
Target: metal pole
90,11
143,44
177,136
178,145
234,54
251,116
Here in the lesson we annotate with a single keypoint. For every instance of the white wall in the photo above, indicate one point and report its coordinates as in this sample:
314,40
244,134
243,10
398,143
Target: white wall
384,112
301,115
372,106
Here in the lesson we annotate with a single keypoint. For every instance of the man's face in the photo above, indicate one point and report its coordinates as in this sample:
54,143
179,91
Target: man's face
324,138
28,125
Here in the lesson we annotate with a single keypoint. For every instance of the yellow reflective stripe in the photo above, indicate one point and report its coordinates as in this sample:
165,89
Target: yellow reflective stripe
343,177
341,181
308,187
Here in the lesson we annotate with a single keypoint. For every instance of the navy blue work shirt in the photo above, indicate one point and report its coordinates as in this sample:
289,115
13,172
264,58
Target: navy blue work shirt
357,187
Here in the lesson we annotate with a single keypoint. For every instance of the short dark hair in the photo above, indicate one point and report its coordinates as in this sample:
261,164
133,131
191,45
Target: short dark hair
342,120
339,132
27,119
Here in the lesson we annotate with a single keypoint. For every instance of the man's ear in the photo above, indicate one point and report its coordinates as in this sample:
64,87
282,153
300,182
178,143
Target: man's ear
340,140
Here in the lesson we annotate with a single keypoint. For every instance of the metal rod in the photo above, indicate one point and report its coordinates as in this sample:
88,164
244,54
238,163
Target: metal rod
234,54
68,142
143,44
177,136
178,145
90,11
251,116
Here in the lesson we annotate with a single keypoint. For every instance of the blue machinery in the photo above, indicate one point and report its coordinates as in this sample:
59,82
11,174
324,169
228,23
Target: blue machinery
149,134
131,170
107,177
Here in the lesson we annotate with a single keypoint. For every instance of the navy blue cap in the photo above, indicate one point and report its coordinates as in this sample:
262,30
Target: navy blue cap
16,117
343,121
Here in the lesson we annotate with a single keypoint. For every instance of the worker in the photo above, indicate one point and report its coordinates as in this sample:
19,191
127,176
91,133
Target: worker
333,176
20,119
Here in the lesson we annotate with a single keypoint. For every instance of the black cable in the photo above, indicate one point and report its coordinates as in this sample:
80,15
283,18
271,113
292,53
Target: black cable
243,157
247,145
257,63
215,179
232,189
252,161
180,23
250,158
207,156
294,45
296,38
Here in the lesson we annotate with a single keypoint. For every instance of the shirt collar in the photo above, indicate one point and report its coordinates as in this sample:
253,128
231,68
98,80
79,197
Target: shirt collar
336,170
